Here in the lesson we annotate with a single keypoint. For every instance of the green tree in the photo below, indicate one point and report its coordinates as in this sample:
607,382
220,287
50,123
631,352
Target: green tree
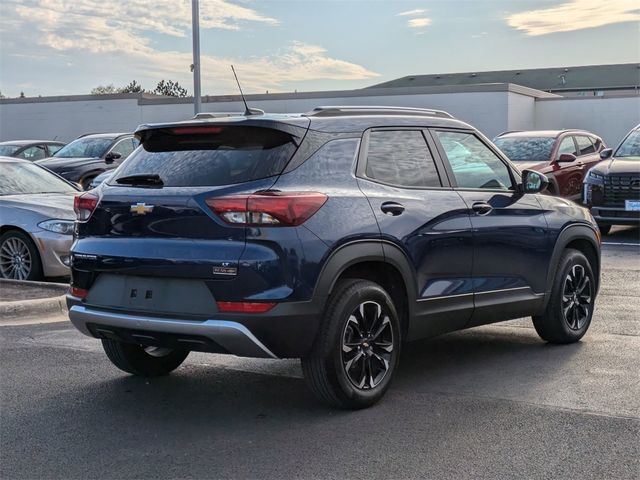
170,89
104,89
133,87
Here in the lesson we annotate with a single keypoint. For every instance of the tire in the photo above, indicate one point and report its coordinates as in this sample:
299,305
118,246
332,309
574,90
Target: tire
564,320
141,361
85,183
371,360
19,257
604,229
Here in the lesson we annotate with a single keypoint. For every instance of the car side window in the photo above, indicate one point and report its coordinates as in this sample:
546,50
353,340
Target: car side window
585,147
33,153
473,163
597,142
124,148
53,148
567,145
401,158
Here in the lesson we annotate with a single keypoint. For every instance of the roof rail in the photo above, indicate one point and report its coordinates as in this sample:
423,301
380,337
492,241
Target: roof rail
334,111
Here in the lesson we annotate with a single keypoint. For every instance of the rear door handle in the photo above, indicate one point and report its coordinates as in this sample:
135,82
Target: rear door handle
481,208
392,208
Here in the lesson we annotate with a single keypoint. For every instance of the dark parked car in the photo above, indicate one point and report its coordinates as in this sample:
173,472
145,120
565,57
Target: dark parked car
612,188
563,156
30,149
99,179
88,156
332,236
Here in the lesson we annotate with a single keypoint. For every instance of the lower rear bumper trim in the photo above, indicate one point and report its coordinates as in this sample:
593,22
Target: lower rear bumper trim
233,336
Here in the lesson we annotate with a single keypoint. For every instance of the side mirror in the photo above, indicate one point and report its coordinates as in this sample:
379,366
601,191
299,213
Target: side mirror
533,182
606,153
111,156
567,158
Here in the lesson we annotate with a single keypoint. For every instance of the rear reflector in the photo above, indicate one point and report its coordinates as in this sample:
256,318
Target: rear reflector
78,292
276,209
245,307
84,205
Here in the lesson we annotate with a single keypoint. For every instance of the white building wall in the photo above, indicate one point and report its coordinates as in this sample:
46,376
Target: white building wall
67,120
521,112
609,117
487,111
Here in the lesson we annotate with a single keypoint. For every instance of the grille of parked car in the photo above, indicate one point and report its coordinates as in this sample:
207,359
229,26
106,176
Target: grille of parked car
618,188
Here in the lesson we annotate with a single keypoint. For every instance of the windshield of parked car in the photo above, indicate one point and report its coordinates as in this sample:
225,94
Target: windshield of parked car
630,147
8,150
85,148
27,178
526,149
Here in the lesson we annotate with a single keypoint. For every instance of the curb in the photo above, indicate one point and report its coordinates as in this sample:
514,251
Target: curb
37,307
33,308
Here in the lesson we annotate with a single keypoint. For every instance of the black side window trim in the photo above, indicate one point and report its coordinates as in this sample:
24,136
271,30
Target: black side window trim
513,173
364,150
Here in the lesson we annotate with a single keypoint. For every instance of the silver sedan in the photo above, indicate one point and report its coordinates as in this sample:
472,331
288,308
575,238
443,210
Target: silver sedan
36,221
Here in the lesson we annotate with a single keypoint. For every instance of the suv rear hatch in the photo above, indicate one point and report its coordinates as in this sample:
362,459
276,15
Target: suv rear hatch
151,237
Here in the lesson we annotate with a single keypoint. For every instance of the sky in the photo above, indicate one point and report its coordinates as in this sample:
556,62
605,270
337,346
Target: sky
68,47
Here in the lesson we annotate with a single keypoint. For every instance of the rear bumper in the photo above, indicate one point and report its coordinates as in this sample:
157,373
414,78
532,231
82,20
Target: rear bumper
287,331
231,337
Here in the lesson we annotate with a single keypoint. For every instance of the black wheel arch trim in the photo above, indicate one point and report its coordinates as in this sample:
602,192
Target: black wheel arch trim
362,251
566,236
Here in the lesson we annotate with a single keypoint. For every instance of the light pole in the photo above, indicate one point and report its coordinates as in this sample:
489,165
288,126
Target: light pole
195,27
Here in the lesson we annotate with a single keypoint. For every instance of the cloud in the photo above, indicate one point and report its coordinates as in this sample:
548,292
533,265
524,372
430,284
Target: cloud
412,13
88,32
575,15
419,22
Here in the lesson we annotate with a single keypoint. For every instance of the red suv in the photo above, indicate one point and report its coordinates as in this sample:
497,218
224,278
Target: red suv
564,156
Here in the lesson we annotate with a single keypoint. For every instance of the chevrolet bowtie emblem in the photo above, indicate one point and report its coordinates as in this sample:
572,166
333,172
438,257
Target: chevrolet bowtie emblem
141,208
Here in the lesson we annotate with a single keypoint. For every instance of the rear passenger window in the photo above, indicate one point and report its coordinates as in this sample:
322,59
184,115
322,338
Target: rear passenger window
567,146
474,165
585,147
402,158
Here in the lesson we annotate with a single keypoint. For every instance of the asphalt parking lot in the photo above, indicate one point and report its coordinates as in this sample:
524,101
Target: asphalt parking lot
492,402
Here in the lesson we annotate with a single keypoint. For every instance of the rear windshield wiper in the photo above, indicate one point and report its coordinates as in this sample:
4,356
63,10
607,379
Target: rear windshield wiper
141,179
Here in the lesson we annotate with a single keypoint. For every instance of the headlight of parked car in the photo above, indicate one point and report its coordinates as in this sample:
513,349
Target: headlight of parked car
64,227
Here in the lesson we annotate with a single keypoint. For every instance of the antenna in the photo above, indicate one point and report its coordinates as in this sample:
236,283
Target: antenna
248,111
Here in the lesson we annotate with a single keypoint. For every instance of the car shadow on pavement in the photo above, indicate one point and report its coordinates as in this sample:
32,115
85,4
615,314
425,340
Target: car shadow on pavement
493,361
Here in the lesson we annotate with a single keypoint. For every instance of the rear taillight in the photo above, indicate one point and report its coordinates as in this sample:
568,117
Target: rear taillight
84,205
78,292
275,209
245,307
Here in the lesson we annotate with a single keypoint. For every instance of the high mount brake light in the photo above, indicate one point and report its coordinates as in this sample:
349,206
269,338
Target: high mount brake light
84,205
195,130
275,209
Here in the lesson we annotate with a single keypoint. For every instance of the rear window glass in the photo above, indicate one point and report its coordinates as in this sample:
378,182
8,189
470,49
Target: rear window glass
526,149
218,156
26,178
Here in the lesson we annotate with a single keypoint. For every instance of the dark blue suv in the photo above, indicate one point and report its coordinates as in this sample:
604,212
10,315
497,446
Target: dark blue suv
332,236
